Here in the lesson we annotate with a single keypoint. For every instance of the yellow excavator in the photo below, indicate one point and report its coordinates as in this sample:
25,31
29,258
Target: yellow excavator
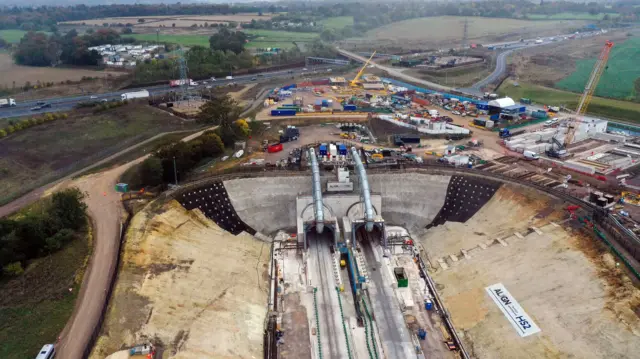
356,80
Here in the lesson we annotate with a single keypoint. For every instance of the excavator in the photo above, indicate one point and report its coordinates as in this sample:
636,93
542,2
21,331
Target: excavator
356,80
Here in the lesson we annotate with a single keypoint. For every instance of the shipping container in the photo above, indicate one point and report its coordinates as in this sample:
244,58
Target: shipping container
333,150
289,87
323,82
349,107
283,112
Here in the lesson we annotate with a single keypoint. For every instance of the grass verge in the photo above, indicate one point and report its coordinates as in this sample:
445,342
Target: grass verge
337,22
609,108
36,305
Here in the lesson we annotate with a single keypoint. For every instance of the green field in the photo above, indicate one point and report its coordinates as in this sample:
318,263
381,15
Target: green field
12,36
571,16
617,81
609,108
36,305
337,22
43,153
280,39
186,40
265,38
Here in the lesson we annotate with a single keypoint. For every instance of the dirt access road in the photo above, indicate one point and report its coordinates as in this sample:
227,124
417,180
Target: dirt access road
105,210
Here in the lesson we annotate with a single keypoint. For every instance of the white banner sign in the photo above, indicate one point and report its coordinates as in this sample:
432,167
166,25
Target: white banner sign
512,310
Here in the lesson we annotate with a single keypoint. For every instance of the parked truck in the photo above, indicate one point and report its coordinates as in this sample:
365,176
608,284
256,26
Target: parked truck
506,133
134,95
7,102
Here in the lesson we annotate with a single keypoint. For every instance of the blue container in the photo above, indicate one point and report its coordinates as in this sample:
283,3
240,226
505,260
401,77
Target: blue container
482,106
288,105
283,112
342,149
325,103
323,150
428,304
289,87
318,102
422,334
494,117
349,107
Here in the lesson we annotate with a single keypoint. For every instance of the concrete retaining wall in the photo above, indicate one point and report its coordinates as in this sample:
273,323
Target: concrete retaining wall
267,204
410,200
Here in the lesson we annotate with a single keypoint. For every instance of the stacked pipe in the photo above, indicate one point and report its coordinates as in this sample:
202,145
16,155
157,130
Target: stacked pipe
364,186
317,192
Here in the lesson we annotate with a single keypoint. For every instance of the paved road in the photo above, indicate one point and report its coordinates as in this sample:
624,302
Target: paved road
68,103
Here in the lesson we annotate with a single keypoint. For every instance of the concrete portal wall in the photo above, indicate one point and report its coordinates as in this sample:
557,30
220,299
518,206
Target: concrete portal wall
410,200
339,205
267,204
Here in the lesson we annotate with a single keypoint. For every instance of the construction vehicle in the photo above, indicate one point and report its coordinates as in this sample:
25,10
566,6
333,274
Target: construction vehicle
506,133
356,80
7,102
557,150
589,89
447,339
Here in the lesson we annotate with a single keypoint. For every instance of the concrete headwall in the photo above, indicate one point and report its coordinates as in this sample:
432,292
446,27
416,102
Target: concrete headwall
410,200
267,204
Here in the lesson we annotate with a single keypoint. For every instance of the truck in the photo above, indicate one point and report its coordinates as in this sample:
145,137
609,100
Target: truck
7,102
506,133
134,95
177,83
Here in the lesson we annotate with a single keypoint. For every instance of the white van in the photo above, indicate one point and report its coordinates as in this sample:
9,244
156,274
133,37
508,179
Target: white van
47,352
530,155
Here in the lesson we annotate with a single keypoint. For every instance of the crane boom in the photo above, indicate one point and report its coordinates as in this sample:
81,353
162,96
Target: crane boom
354,82
589,89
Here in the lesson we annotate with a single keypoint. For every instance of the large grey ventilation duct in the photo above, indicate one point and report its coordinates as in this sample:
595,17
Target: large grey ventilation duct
317,192
366,193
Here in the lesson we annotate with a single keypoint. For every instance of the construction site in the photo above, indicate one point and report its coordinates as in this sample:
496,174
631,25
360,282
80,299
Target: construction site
406,223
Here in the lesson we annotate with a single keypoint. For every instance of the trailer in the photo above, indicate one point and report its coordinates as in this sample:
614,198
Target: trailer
134,95
181,82
7,102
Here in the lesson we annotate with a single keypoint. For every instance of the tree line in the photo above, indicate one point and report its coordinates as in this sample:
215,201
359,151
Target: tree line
158,169
225,56
44,17
41,229
40,49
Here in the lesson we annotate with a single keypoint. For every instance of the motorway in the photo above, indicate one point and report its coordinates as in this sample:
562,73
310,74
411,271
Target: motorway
67,103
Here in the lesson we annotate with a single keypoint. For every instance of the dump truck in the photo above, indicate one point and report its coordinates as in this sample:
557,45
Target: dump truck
7,102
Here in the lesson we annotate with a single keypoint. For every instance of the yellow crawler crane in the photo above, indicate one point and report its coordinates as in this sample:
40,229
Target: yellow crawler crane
589,89
356,80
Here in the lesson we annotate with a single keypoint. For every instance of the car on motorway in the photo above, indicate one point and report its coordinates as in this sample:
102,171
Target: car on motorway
254,78
304,69
209,87
213,78
229,78
40,106
290,71
93,97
